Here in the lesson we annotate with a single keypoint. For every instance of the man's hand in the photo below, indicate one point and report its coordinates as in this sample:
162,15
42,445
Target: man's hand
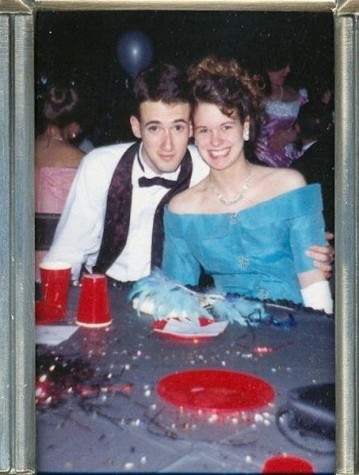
323,256
281,138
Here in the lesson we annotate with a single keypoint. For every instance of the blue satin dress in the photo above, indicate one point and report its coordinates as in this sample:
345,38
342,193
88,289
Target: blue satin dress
256,253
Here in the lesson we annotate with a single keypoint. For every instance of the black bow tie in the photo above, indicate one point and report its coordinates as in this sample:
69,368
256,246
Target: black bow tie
156,180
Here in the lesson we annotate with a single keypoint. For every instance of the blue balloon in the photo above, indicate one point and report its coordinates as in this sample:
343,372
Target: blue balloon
134,52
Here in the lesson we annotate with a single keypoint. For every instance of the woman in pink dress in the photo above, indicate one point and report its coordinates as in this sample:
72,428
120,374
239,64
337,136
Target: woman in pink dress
275,144
56,163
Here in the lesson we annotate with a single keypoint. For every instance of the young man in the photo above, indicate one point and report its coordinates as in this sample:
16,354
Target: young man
315,130
112,221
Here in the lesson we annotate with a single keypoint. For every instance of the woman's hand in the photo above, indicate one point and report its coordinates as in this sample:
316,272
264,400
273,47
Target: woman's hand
323,256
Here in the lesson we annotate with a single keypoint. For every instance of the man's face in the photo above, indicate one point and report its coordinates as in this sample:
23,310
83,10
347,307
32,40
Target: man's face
164,130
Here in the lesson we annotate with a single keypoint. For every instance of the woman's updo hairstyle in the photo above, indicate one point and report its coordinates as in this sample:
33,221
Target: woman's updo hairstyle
60,107
224,83
59,101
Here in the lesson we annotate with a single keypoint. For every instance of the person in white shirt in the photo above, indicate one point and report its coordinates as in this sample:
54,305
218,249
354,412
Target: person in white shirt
112,221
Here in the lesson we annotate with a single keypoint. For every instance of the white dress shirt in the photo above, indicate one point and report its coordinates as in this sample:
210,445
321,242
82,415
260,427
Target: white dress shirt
79,232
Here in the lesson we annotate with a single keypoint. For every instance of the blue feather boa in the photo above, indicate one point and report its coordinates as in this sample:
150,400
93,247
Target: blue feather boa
166,299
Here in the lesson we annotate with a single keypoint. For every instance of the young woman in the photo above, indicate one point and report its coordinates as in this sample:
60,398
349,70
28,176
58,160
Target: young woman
246,225
59,122
275,144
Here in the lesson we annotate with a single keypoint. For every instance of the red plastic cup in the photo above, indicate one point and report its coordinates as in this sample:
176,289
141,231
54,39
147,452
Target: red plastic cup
93,308
287,464
55,283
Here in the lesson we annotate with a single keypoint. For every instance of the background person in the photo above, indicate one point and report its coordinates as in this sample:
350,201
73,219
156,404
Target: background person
315,130
59,123
282,102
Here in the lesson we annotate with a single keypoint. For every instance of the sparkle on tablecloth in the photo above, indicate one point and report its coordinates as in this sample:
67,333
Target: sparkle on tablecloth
261,350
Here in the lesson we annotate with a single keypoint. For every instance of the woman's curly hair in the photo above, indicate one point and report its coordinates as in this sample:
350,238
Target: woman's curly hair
60,106
232,89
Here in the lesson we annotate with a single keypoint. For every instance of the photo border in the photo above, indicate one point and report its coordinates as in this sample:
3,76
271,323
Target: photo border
17,331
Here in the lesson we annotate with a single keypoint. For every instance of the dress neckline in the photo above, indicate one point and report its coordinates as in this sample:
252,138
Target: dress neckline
268,202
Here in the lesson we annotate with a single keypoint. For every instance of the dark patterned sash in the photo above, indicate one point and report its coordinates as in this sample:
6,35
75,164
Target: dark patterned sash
118,210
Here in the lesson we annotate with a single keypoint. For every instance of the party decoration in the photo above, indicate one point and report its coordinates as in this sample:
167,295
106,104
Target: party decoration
60,378
164,298
134,52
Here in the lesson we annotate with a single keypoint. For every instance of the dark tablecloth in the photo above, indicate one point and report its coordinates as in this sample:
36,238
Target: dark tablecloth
111,419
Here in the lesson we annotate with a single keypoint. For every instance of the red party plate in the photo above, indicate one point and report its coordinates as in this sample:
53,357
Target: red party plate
212,389
46,312
287,464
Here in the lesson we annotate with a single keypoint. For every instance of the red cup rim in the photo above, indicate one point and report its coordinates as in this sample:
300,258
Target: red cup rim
94,276
93,325
55,265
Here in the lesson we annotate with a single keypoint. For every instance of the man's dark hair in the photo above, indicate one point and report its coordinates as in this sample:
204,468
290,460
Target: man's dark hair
161,82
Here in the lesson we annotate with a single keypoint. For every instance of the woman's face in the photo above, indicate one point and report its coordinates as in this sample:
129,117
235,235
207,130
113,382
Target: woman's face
219,138
278,77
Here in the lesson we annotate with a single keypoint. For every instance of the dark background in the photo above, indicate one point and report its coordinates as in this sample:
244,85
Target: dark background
81,48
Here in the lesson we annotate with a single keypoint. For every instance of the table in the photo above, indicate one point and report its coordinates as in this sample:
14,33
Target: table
113,420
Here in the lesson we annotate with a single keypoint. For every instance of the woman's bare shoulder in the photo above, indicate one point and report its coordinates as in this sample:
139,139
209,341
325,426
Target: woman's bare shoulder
291,94
187,200
292,176
276,173
60,155
272,182
287,179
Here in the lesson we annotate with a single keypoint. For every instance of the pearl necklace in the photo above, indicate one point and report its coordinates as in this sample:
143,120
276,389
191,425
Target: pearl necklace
240,195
